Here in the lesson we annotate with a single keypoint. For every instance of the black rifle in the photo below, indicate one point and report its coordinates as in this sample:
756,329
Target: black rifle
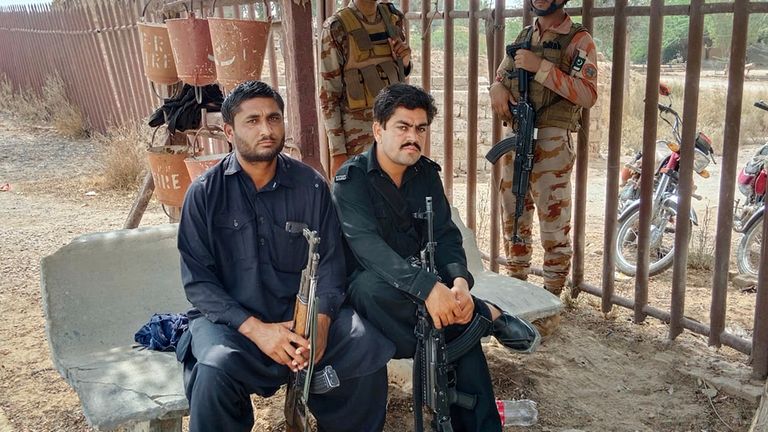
434,381
524,116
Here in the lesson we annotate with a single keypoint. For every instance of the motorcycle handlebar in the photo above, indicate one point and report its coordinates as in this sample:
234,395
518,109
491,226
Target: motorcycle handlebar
762,105
665,109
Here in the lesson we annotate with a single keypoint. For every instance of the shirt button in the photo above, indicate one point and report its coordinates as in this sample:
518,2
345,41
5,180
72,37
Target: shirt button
261,219
235,223
261,241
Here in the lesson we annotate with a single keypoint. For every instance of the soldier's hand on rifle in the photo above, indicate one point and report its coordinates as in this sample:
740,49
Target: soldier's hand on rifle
400,49
278,342
460,290
442,306
321,341
500,100
525,59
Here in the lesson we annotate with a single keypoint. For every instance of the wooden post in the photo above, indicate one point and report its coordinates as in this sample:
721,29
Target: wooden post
140,203
300,79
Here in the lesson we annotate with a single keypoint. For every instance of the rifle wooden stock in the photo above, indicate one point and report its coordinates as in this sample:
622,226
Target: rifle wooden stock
301,318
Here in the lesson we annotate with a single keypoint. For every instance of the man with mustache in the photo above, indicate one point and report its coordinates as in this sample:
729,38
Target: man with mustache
376,194
363,49
242,253
562,60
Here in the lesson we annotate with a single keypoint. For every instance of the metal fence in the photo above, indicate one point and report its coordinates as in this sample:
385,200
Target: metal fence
95,48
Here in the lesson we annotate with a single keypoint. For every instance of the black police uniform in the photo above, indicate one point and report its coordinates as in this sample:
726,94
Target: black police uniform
237,261
385,285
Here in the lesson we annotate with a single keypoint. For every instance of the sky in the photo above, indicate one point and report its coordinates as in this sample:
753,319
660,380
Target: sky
22,2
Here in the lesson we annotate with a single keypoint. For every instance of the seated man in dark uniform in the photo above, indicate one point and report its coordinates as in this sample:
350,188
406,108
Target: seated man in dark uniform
376,194
241,271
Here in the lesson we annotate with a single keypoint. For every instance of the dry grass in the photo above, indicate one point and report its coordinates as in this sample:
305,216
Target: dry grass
701,254
25,105
66,118
52,107
123,155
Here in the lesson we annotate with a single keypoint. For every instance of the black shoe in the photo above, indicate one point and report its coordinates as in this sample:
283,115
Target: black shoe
515,333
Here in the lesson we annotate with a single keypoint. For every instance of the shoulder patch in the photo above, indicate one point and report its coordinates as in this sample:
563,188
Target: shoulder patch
342,174
432,163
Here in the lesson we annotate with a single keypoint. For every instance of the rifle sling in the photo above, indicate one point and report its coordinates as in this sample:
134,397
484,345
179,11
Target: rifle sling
477,329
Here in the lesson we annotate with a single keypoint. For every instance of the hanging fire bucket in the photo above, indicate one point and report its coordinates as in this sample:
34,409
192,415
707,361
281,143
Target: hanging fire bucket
159,66
169,173
192,50
238,49
197,165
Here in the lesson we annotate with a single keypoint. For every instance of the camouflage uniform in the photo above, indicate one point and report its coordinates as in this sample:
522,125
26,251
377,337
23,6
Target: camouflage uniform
565,82
348,109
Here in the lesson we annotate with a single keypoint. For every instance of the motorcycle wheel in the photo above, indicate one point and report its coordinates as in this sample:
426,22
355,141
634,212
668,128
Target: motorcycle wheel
662,247
748,253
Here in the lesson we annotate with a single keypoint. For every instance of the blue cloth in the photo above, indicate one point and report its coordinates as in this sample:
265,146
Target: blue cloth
162,332
238,260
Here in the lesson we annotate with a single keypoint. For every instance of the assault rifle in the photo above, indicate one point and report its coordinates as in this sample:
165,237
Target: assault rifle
434,380
524,115
305,325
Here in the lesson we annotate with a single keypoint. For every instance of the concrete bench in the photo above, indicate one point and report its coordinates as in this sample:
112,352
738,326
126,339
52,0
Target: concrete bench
101,288
97,292
517,297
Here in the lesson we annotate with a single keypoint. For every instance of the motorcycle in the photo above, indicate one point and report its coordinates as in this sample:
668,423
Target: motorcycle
665,198
748,218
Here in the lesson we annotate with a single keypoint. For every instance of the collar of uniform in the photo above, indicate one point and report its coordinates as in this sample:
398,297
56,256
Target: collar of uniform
282,172
562,28
373,164
361,16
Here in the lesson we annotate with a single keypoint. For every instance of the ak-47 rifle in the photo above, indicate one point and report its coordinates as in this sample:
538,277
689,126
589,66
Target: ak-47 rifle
305,325
434,381
524,116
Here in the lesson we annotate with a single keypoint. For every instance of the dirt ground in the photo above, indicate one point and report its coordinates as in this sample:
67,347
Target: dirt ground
595,373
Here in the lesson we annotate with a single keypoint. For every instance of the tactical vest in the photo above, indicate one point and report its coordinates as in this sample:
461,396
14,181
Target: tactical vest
552,110
369,67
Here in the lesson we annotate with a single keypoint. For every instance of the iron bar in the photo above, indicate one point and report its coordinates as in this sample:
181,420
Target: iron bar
426,61
273,77
728,170
498,55
650,125
740,344
448,70
685,173
582,173
472,100
614,151
760,335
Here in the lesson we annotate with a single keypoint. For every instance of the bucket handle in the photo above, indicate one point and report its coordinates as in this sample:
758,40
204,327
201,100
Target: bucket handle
154,134
195,140
176,90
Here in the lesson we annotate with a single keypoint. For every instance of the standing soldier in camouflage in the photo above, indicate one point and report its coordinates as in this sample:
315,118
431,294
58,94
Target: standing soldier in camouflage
363,50
562,62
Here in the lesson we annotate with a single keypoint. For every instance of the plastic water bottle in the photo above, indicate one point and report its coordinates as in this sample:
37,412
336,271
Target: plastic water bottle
517,412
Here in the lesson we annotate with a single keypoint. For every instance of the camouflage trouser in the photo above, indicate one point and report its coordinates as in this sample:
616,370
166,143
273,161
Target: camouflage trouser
357,130
550,192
